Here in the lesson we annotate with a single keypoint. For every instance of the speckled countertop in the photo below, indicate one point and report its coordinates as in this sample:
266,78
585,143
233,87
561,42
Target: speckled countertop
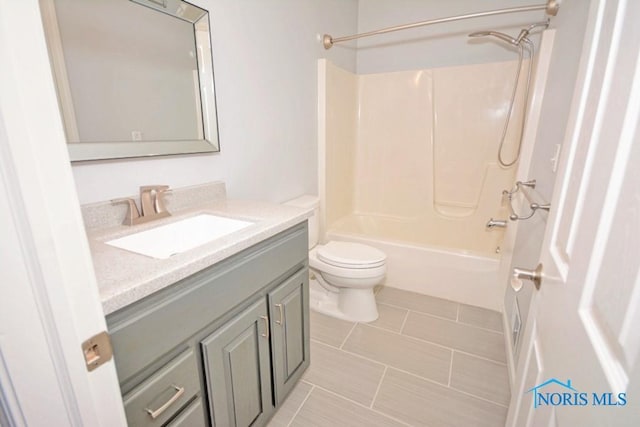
125,277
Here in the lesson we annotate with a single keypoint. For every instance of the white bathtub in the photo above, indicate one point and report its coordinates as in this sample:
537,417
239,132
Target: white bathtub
439,269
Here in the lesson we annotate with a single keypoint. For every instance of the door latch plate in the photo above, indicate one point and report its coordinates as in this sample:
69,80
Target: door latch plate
97,350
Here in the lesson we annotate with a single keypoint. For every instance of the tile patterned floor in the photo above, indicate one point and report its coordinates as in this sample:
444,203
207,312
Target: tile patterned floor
425,362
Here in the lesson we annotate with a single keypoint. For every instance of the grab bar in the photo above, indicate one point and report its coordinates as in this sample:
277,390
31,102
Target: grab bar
533,206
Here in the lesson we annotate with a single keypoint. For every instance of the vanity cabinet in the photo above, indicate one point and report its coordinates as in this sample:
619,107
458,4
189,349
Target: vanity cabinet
223,347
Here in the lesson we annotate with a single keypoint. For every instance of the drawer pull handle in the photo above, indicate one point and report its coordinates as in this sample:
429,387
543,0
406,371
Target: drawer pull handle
266,326
155,414
281,321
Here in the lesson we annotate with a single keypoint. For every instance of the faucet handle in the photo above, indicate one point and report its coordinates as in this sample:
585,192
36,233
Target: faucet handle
149,197
132,213
158,204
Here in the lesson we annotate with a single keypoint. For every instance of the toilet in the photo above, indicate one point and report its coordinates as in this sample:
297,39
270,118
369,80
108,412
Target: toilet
342,274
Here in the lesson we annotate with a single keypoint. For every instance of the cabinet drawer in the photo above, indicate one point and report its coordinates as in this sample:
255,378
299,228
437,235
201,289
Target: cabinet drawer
192,416
160,397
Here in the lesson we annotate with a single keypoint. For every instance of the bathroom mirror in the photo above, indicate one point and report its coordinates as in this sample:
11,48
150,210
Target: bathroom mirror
134,77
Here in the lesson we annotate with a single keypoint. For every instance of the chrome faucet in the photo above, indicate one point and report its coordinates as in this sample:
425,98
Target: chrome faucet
501,223
151,204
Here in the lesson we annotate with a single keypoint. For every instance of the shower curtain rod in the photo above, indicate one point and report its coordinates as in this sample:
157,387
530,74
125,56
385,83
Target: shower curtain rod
551,8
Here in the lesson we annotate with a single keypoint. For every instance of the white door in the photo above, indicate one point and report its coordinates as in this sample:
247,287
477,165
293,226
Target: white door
49,300
582,365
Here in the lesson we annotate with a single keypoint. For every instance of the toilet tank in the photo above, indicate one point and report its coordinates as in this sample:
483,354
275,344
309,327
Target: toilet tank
309,202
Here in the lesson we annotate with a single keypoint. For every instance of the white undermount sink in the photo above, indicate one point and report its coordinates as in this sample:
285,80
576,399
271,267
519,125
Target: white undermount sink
180,236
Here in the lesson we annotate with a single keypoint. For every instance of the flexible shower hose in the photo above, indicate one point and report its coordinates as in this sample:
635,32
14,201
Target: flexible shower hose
521,49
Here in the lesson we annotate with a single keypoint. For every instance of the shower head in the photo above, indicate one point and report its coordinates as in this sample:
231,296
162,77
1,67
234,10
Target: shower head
501,36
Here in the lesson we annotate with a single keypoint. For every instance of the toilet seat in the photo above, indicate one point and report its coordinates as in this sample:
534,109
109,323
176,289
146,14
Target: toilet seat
351,255
316,263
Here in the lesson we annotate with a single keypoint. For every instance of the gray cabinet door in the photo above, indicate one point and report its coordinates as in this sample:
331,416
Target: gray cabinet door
238,369
289,312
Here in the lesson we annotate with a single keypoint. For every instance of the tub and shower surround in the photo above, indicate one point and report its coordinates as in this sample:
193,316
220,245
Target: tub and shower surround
409,159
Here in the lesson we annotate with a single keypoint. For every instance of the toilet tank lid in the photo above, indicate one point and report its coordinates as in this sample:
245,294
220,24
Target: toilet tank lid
306,202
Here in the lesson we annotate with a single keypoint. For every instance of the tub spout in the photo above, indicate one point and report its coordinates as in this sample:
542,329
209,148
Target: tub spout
496,223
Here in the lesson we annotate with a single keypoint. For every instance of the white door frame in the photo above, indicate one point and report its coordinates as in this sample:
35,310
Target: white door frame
50,302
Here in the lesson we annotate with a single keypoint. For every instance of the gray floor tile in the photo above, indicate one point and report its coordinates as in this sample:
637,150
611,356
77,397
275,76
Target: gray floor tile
323,409
390,318
290,407
418,302
481,317
348,375
423,403
329,330
480,377
455,335
402,352
345,381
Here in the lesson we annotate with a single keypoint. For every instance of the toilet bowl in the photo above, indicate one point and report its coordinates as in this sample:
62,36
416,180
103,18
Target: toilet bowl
342,274
346,274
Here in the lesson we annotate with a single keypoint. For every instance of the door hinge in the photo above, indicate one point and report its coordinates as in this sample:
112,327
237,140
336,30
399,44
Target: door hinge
97,350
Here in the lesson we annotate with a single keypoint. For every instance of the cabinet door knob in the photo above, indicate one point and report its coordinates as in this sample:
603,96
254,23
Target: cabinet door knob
266,326
281,321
